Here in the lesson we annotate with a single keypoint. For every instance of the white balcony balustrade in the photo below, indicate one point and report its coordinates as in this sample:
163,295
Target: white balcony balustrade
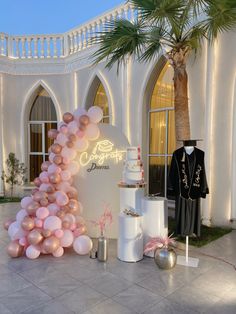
60,45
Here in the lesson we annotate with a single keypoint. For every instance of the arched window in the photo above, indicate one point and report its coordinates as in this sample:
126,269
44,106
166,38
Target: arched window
42,118
101,101
161,132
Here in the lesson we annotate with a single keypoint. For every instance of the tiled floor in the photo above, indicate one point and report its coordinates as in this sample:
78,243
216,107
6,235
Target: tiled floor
78,284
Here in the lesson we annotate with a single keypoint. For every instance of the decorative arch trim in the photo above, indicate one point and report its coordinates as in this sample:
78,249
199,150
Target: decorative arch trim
91,89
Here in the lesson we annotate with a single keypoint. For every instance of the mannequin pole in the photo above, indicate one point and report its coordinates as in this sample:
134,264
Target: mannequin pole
186,252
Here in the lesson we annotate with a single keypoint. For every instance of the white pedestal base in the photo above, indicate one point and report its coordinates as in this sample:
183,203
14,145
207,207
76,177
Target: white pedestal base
190,262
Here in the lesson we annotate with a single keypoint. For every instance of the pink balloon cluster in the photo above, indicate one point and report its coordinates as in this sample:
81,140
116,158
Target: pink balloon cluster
51,218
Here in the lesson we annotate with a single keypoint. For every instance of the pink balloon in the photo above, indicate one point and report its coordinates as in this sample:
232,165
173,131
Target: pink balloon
32,252
64,129
52,133
38,223
63,186
81,144
62,199
21,215
73,127
37,182
69,153
54,169
51,157
45,165
25,201
73,227
67,238
44,177
66,160
59,252
15,231
61,139
52,223
65,175
83,245
92,132
53,209
69,218
95,114
23,241
59,233
80,134
42,212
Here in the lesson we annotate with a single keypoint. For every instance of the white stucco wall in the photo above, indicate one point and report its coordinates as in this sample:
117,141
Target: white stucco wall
212,98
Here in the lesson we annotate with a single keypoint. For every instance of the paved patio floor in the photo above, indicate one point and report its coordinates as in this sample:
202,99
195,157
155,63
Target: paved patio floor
78,284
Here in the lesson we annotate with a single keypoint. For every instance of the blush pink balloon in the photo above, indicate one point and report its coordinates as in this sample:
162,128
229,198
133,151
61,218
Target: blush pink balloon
73,167
73,227
53,209
23,241
62,199
73,127
95,114
92,132
83,245
25,202
80,134
67,238
69,153
54,169
52,133
63,186
64,129
38,222
37,182
59,233
45,165
79,112
61,139
81,144
51,157
44,177
52,223
21,215
42,212
32,252
66,161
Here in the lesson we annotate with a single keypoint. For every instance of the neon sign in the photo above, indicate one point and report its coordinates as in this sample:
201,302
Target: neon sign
103,151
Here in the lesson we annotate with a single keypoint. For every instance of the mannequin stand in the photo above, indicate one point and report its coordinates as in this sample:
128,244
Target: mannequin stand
186,260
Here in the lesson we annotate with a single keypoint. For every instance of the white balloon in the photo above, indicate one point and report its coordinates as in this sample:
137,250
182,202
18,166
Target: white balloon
67,238
73,167
15,231
69,153
83,245
61,139
79,112
59,252
81,144
32,252
52,223
51,156
73,127
21,214
95,114
92,132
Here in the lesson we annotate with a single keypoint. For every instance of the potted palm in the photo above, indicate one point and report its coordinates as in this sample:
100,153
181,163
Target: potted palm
172,28
164,254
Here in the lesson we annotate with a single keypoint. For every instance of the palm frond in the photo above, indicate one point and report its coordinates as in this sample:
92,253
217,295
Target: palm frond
119,39
194,37
221,17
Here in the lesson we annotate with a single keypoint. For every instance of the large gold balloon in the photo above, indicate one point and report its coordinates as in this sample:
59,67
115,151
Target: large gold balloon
32,207
27,223
84,119
14,249
34,237
51,244
56,148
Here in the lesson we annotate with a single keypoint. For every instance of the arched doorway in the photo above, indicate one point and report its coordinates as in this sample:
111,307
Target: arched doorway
161,132
42,117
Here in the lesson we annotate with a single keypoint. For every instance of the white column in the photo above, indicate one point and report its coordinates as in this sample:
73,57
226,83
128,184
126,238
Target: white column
85,37
35,48
23,41
48,39
75,42
1,133
54,47
71,44
42,47
61,47
2,45
17,48
80,40
29,55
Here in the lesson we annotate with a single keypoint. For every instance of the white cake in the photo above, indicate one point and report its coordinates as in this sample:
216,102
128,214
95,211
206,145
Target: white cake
133,168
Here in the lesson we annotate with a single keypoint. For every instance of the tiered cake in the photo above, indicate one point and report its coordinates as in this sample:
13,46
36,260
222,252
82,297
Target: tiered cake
133,168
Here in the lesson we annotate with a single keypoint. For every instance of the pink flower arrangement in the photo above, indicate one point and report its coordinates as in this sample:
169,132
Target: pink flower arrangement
158,243
105,219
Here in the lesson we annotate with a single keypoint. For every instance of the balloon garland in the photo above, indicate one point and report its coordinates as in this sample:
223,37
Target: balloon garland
50,220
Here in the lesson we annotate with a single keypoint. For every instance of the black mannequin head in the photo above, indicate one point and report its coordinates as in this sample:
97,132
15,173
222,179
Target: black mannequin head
190,142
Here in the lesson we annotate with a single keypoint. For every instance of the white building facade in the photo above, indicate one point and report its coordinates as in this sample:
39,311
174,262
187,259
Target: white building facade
43,76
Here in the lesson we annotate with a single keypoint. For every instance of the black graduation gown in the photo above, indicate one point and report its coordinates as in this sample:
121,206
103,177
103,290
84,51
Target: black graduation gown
187,178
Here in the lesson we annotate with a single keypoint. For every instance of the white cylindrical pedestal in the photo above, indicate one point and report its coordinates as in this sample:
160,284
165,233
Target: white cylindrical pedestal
131,197
155,218
130,239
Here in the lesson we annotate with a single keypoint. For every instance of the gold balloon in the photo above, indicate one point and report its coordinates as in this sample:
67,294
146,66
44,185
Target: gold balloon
14,249
51,244
72,138
56,148
68,117
43,202
47,233
32,207
60,214
84,119
7,224
34,237
69,144
27,224
66,224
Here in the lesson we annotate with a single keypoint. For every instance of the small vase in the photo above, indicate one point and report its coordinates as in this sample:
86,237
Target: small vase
165,258
102,249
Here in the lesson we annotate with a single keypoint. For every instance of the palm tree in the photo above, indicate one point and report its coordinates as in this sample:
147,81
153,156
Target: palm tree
173,28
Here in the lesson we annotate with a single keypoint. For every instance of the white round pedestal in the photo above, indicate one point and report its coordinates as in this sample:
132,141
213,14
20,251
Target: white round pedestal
130,239
131,197
155,218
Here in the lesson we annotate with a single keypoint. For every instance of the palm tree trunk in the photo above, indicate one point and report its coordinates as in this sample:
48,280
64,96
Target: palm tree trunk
182,125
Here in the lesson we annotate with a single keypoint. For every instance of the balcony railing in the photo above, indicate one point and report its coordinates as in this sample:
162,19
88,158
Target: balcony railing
60,45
